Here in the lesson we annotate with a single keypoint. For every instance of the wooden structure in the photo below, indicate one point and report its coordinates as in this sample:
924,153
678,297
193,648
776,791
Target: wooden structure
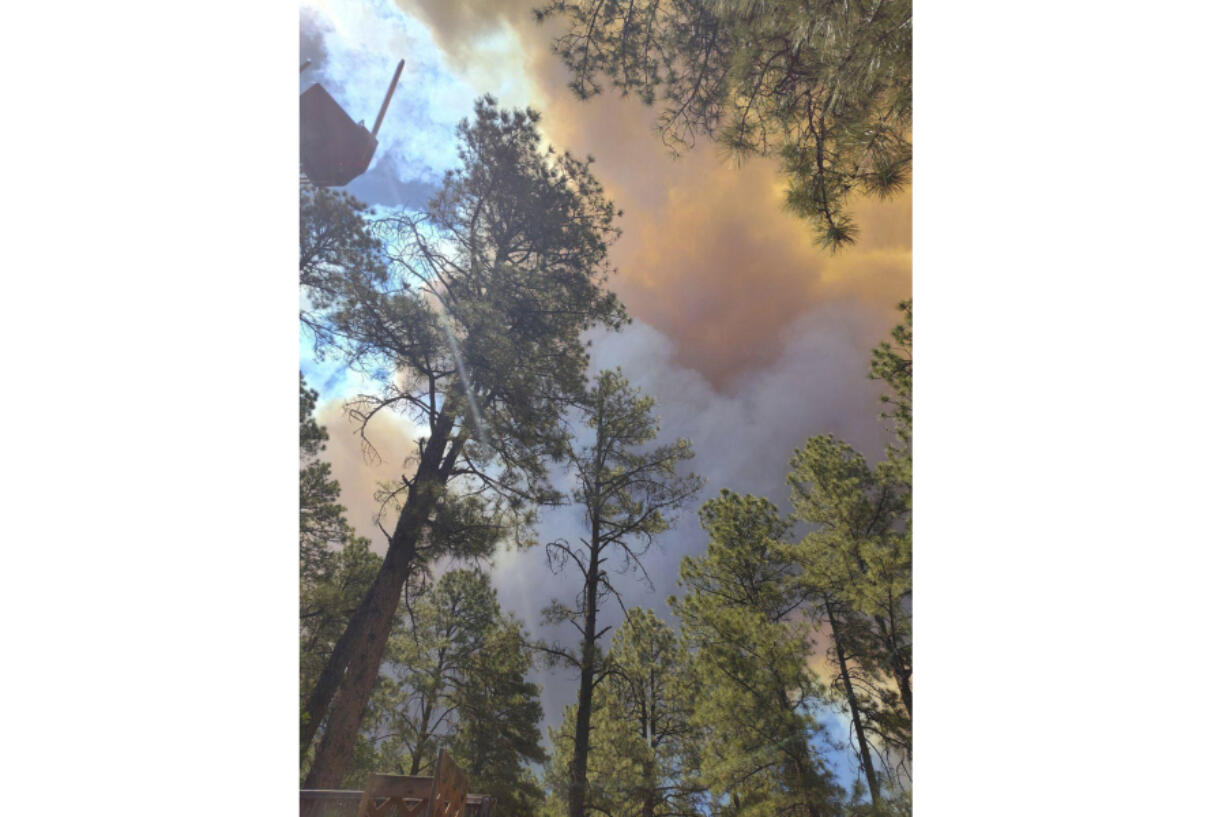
392,795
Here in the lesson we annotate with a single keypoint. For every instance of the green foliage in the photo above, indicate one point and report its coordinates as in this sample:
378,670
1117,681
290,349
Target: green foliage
498,732
892,365
756,712
824,86
321,518
629,494
562,752
643,756
858,548
896,803
856,560
335,566
475,327
335,247
455,676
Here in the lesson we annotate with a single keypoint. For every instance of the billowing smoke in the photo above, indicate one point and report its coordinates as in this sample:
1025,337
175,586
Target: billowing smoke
743,438
708,255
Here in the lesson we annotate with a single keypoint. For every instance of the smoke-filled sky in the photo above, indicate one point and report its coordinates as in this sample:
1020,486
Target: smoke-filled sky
748,336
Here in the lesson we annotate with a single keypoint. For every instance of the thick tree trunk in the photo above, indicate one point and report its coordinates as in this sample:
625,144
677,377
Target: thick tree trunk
587,674
865,757
359,652
334,671
335,750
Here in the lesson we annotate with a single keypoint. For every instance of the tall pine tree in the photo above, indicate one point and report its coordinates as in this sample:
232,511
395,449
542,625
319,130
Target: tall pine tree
474,331
628,494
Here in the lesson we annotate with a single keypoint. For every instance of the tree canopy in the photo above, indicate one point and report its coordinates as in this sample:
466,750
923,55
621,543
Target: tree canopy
822,86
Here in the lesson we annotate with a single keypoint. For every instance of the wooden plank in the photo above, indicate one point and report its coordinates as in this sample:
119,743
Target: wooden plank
417,807
450,792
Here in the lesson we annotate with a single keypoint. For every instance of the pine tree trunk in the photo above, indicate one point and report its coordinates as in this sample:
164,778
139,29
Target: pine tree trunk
333,673
865,757
359,652
419,751
649,729
336,749
903,678
649,798
587,674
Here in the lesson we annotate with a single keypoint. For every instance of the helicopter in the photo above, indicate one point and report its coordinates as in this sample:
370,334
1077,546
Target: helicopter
332,149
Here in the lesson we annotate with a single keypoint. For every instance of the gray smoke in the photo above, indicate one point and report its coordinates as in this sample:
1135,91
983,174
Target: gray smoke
743,440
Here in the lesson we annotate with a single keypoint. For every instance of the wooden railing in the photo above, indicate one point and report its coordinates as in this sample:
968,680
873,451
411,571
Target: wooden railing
345,802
